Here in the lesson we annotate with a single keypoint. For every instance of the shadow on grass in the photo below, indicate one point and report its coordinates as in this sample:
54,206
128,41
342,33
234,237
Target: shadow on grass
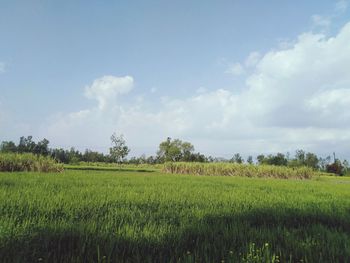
109,169
292,234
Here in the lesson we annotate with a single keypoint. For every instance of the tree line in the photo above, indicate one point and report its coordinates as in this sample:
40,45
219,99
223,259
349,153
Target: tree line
171,150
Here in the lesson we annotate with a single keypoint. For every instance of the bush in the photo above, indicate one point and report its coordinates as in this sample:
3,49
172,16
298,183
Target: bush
336,168
16,162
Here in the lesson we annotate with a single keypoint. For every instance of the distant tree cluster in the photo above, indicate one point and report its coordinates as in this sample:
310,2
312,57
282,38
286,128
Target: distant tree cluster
178,151
170,150
27,145
307,159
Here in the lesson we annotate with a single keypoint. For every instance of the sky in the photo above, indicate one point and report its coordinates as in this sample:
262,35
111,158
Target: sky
229,76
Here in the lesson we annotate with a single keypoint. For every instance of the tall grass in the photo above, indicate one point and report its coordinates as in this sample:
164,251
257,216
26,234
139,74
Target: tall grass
15,162
116,216
234,169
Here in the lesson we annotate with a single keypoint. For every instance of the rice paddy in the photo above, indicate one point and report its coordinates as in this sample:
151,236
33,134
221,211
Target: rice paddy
148,216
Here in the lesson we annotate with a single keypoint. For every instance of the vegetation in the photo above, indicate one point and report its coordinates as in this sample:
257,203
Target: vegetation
177,150
171,150
14,162
130,216
236,169
119,150
336,168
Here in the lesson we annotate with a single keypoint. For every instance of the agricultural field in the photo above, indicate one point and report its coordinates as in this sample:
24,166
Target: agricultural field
145,215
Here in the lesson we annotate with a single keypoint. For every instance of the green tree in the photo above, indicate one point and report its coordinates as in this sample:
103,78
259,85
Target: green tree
175,150
119,149
261,159
278,159
8,146
26,144
250,159
300,156
311,160
237,158
42,147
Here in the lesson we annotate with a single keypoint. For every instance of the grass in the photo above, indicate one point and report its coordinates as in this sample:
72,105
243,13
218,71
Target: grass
122,165
130,216
14,162
121,168
235,169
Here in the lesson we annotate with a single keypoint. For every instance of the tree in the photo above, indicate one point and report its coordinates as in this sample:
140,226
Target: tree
119,150
250,159
8,146
261,159
26,144
175,150
237,158
42,147
278,159
336,168
311,160
300,156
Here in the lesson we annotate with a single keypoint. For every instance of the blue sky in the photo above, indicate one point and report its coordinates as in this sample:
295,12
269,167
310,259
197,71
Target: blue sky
225,75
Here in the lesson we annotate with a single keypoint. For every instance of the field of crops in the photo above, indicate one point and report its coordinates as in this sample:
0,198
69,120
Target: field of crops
15,162
148,216
236,169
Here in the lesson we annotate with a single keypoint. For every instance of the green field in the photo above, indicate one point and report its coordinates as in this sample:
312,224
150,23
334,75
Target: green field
146,216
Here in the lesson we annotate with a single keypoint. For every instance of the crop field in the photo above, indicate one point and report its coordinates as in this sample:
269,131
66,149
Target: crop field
149,216
235,169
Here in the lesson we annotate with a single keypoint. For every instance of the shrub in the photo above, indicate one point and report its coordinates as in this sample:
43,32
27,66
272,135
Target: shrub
336,168
15,162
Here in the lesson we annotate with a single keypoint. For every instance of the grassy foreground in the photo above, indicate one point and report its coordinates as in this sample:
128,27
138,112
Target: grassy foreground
145,216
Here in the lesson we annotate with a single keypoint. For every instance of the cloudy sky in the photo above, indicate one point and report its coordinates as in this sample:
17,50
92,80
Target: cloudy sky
228,76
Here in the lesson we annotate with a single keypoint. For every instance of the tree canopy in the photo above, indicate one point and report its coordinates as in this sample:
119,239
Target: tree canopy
119,149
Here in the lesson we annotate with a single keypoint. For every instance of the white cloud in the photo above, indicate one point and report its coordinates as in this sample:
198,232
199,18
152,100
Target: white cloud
235,69
324,22
332,106
321,21
341,6
106,89
252,59
295,97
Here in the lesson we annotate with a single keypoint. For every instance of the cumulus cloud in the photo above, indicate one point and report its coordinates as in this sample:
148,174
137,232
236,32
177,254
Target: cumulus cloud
286,80
106,89
295,97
